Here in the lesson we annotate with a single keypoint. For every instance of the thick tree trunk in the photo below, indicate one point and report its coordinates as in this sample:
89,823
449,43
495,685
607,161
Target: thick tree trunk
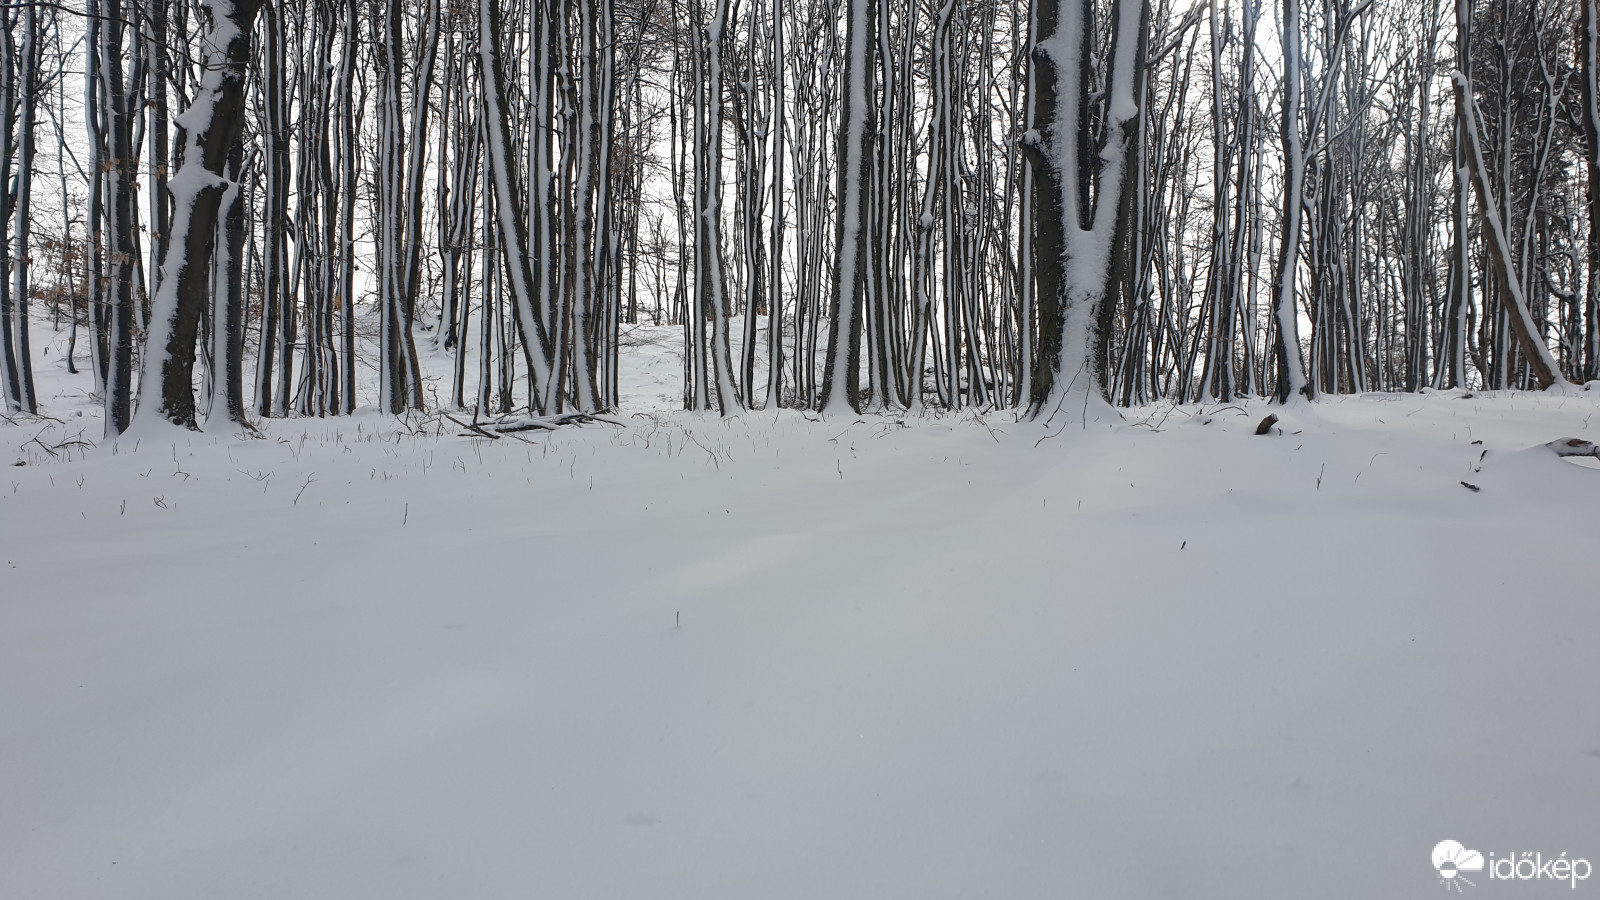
207,133
841,383
1075,235
395,373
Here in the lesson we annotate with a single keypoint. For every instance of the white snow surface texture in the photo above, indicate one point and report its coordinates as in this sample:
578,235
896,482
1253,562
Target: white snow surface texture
777,657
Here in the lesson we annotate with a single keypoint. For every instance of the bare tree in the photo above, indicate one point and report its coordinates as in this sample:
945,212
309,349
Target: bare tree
208,132
1080,193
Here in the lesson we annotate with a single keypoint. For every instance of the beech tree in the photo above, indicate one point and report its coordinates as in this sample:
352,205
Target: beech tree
848,206
841,386
1589,83
19,103
209,132
1081,202
1503,262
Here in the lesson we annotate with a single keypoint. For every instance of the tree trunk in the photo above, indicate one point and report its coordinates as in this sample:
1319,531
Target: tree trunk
841,383
1285,314
207,133
1075,235
1519,319
512,229
120,174
1589,61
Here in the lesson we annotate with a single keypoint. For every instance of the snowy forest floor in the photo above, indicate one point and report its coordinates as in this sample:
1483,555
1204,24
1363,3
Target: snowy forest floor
775,657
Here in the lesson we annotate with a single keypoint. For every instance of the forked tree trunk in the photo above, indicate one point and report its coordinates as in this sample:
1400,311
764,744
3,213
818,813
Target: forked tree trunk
207,132
1075,234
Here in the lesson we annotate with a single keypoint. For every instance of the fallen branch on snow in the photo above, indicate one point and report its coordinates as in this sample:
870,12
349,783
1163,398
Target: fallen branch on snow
74,441
1574,447
495,430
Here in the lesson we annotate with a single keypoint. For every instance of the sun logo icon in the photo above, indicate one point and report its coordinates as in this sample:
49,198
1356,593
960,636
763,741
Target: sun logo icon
1452,859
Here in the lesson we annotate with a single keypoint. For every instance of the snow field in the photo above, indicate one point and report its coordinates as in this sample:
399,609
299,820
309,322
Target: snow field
786,657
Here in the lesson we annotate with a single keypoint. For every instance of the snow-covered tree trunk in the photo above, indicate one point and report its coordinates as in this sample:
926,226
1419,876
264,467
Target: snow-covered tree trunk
1451,370
10,363
697,394
227,307
396,375
944,65
22,190
1221,284
756,123
898,208
458,188
716,293
779,101
457,258
348,129
922,267
1286,321
1026,289
1419,185
94,122
1074,231
610,224
275,212
1520,319
841,382
586,148
491,287
511,227
21,73
207,133
545,214
883,288
416,164
1247,218
1589,80
711,300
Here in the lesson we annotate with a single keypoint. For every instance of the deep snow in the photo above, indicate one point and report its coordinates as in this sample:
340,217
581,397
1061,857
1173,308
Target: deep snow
778,657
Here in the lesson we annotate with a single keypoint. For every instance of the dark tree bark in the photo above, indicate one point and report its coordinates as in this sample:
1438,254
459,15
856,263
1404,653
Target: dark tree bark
208,132
1080,219
121,173
841,383
1589,80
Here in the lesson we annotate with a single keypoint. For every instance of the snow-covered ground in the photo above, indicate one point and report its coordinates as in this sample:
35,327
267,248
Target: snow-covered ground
778,657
